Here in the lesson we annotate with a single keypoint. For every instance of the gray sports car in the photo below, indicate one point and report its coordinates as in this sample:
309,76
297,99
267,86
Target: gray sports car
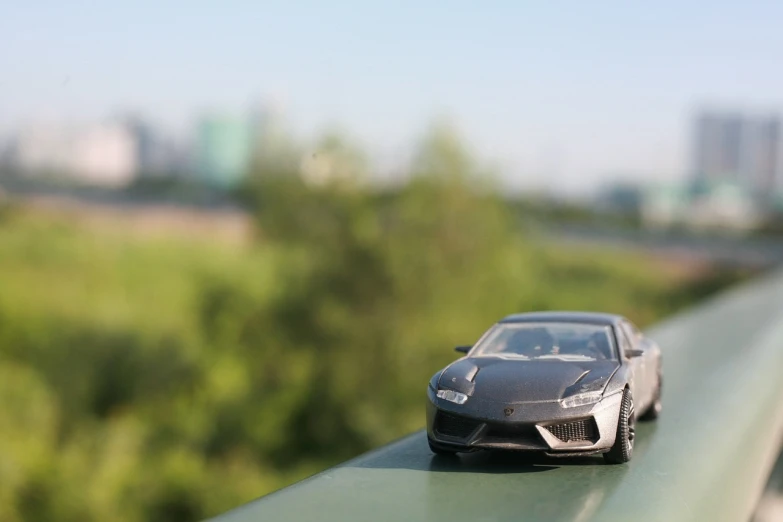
559,383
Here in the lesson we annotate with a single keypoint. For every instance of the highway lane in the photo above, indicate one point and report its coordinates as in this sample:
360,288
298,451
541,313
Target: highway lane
739,251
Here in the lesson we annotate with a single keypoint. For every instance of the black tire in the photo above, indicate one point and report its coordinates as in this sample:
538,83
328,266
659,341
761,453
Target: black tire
437,449
622,451
654,411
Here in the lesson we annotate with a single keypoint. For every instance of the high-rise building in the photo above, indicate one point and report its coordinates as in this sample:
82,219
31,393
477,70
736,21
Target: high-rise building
224,149
101,154
157,155
763,152
104,154
743,150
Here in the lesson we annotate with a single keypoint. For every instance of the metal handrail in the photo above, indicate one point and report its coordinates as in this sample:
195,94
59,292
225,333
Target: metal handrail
706,458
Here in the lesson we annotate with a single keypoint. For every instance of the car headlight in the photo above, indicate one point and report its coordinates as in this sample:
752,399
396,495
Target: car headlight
452,396
581,399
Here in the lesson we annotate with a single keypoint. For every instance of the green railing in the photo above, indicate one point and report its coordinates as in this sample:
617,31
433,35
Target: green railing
706,458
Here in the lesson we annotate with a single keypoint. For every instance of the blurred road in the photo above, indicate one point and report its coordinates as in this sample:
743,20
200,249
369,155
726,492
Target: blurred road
229,220
750,252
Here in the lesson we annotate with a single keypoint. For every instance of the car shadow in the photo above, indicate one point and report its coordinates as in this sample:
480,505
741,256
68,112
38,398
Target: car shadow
493,462
413,453
497,461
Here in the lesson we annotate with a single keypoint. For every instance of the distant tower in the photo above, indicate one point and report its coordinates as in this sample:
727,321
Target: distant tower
762,153
224,148
717,147
737,149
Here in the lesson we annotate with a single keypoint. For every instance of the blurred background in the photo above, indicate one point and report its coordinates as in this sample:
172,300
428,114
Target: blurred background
237,239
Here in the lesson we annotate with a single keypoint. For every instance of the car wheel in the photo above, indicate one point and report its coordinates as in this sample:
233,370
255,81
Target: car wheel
622,450
654,411
440,450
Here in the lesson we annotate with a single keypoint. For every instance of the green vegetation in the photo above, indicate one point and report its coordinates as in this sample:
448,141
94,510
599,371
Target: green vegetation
164,380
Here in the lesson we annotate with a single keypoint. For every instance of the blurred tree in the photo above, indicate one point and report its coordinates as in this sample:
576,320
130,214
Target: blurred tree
336,295
335,161
457,259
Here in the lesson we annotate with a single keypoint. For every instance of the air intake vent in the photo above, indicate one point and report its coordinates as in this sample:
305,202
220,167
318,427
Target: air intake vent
454,425
583,430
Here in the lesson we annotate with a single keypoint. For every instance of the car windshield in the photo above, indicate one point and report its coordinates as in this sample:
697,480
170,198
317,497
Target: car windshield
542,341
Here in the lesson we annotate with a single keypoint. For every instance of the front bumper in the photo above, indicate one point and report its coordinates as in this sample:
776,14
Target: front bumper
529,426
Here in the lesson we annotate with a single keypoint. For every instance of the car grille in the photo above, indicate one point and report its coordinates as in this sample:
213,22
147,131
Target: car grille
575,431
516,433
454,425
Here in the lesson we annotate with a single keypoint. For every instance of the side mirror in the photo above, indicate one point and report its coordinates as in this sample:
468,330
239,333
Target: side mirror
634,353
463,349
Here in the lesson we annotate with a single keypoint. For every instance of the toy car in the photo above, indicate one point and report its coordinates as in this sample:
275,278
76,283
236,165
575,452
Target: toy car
559,383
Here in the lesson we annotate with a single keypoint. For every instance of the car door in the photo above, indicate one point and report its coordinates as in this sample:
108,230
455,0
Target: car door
645,364
637,366
652,363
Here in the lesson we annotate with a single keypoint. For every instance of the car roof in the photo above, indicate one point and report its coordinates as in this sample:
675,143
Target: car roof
564,317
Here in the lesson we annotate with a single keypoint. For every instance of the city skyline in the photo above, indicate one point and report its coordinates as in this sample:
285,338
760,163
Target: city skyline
726,145
555,97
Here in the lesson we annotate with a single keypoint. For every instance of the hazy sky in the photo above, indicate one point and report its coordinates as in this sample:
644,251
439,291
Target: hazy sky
555,93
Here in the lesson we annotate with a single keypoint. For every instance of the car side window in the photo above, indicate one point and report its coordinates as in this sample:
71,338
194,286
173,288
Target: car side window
633,335
625,343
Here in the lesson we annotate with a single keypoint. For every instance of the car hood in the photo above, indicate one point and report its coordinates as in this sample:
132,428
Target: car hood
504,380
